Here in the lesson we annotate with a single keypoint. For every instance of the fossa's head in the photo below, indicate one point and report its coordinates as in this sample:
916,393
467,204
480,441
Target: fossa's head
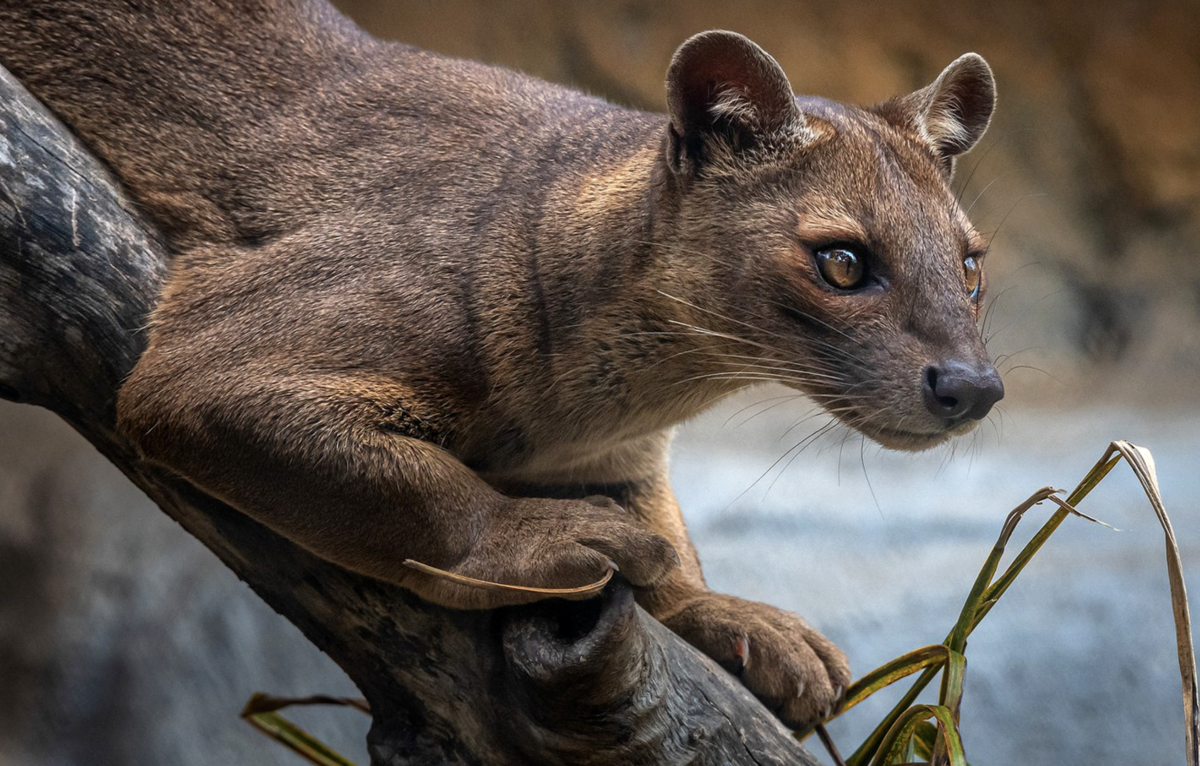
820,245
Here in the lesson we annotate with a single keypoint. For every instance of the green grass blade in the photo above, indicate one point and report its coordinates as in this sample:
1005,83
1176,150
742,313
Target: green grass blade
951,740
885,675
952,683
984,594
950,698
296,739
261,713
976,601
870,746
894,747
1002,583
899,742
957,640
924,740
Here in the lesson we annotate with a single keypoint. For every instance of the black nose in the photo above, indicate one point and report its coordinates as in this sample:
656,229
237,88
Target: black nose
958,391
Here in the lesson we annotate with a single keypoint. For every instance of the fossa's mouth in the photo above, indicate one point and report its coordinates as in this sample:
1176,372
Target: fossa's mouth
904,440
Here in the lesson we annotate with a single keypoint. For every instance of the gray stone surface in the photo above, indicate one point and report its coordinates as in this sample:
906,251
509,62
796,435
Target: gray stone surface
122,641
1075,665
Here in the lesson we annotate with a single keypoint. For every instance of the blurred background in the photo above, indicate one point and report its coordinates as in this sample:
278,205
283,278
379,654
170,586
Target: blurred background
123,641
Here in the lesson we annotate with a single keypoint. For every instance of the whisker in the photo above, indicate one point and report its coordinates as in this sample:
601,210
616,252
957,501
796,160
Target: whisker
1003,220
1035,369
747,325
779,401
803,445
773,465
862,458
990,184
979,161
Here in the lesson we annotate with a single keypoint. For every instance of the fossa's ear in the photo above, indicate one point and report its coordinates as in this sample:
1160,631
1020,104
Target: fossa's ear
951,113
725,93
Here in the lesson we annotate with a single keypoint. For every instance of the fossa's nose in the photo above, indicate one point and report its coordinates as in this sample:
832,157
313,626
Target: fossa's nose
956,391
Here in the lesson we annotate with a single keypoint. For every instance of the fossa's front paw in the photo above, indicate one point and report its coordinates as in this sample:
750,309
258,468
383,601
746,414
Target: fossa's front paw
794,670
537,549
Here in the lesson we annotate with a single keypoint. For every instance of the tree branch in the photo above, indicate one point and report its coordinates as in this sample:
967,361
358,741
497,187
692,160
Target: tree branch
596,682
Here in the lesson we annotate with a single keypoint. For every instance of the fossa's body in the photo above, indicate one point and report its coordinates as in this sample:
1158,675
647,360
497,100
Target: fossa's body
425,310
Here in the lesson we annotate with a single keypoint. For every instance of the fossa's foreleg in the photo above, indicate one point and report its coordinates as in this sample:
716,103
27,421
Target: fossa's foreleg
791,667
306,455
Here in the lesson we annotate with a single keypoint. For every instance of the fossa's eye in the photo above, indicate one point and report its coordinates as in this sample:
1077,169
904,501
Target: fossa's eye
841,267
974,274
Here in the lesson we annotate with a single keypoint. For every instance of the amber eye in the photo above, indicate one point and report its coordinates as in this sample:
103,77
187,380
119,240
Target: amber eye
973,274
840,267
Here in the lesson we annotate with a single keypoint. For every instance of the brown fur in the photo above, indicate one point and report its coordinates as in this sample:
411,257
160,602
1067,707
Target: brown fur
422,308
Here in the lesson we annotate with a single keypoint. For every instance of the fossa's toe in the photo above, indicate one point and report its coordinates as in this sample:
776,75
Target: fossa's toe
794,670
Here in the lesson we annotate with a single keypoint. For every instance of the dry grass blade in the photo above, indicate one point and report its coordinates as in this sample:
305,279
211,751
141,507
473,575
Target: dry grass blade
1142,462
261,712
575,594
265,703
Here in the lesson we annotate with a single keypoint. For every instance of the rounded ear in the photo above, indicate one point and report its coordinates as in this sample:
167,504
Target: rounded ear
722,84
952,113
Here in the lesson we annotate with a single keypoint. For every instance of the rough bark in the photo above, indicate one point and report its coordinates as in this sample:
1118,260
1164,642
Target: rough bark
597,682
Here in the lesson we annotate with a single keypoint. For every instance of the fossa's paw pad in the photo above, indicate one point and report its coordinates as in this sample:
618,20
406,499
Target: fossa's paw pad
794,670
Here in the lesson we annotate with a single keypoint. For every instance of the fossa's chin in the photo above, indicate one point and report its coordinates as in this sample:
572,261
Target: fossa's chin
914,441
902,439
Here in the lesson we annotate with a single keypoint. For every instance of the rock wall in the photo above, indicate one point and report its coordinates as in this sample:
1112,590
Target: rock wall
1088,181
